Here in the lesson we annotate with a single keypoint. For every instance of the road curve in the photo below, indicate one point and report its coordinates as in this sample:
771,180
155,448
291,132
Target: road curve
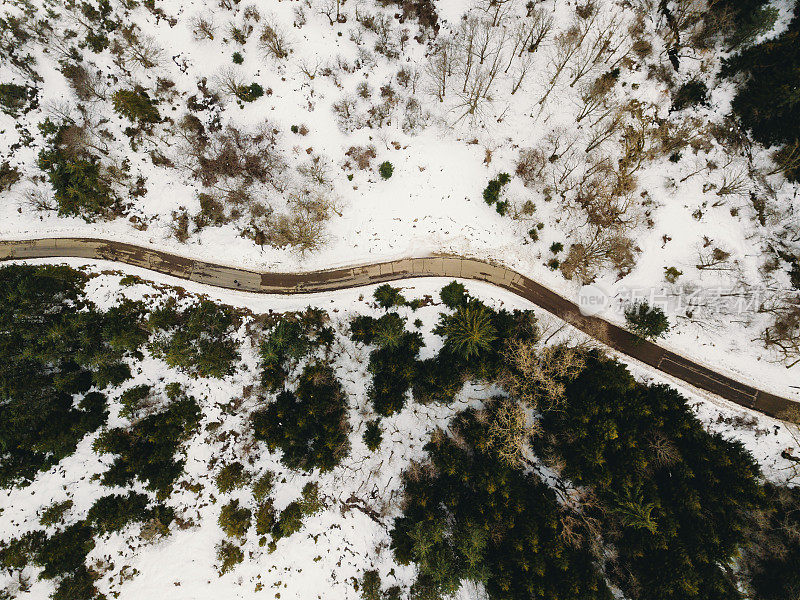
429,266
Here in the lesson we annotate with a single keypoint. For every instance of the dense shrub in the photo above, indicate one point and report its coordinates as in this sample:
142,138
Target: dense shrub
468,516
54,345
80,189
310,424
772,558
198,339
292,338
373,435
393,363
388,297
64,552
228,555
147,450
265,518
230,477
263,486
386,169
491,193
235,520
113,512
133,399
54,514
689,94
290,521
15,98
136,106
453,295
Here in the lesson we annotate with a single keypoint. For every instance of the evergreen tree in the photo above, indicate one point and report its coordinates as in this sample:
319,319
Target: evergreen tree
469,516
310,424
649,323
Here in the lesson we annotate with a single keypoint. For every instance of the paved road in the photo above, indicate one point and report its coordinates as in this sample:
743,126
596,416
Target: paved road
430,266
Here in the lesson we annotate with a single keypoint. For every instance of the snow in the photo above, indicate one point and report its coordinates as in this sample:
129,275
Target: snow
432,203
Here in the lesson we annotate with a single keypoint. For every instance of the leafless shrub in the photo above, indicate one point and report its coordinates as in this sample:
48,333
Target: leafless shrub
510,431
530,165
537,375
345,111
316,169
362,156
273,41
139,50
229,82
88,85
203,27
40,198
787,159
783,335
599,249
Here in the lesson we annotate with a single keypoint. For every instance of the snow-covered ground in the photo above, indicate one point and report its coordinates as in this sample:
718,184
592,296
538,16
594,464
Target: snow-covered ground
335,546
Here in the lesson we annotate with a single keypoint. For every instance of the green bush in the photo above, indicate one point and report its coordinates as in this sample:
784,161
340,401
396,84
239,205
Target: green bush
263,486
234,521
136,106
292,338
310,501
228,555
198,340
250,93
64,552
373,435
386,169
371,585
8,175
15,98
265,518
230,477
147,450
309,425
388,297
78,585
453,295
132,399
689,94
54,514
238,58
470,331
290,521
491,193
113,512
80,189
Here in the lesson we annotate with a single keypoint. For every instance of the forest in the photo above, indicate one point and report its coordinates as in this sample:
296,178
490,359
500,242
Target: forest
576,481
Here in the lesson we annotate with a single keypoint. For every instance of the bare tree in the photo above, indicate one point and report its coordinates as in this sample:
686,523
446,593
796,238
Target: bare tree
510,431
599,248
538,375
273,41
441,66
783,336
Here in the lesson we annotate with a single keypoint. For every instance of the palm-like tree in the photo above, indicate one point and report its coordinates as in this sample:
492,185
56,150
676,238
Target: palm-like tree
469,331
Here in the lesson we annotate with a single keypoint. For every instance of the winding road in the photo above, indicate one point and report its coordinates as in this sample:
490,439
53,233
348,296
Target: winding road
429,266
